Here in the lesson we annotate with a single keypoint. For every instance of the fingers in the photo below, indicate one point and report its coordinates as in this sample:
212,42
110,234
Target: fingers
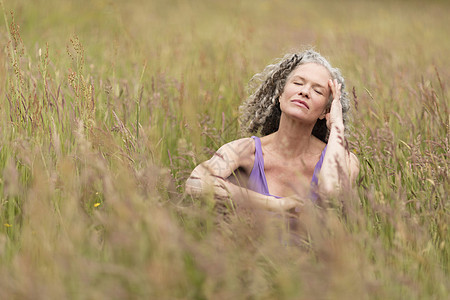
335,114
335,88
331,84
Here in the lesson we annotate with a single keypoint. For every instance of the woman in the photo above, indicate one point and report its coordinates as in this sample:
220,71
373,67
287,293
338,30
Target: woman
300,110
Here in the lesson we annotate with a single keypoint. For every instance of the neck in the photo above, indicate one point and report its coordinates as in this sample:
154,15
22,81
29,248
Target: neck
293,138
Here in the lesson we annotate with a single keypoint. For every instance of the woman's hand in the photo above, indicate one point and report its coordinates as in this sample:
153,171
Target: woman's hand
334,117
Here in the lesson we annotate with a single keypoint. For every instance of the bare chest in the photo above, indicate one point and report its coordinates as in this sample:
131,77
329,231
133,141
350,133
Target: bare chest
288,177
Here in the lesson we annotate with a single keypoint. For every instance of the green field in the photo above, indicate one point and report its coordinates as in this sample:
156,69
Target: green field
107,106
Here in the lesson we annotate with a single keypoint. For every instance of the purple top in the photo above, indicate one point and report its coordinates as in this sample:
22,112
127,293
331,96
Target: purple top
257,181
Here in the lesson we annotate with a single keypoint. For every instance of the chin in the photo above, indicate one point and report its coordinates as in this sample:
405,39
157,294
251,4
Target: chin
300,116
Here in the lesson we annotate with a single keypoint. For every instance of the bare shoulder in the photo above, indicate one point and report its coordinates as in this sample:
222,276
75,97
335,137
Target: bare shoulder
237,146
228,158
236,153
239,150
354,161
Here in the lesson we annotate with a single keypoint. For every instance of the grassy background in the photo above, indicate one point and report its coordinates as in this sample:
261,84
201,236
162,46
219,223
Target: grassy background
107,106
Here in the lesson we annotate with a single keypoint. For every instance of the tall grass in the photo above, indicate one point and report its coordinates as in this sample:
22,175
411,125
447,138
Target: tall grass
106,107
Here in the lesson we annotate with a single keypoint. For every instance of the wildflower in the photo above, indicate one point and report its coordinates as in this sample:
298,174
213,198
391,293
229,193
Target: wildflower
7,225
97,204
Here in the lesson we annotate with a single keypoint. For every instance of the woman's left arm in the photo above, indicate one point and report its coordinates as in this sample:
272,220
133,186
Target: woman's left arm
340,167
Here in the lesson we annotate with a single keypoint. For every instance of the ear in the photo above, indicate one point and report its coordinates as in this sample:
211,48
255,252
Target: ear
326,111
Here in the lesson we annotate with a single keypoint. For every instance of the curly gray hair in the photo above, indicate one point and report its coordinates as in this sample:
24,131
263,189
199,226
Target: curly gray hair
261,111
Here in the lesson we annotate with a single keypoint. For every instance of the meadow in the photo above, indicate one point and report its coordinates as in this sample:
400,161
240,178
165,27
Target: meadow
107,106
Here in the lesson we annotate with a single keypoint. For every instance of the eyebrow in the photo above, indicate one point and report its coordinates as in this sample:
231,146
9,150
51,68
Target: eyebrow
314,83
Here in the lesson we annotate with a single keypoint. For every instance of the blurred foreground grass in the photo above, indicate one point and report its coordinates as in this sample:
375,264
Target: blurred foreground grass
107,106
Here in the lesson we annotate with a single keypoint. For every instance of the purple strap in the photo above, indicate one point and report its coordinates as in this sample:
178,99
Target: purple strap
315,178
257,180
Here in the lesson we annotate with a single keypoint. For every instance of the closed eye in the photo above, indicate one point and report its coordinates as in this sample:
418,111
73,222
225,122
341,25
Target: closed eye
318,92
298,83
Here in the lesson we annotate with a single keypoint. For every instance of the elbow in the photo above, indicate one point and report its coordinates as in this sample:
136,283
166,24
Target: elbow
333,185
341,181
328,189
354,167
198,183
339,186
188,187
193,186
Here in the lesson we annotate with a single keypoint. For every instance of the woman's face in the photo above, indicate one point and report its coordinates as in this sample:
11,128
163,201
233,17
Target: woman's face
306,92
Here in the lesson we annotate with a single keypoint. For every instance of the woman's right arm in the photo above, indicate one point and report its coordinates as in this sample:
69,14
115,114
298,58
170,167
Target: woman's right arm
211,176
340,167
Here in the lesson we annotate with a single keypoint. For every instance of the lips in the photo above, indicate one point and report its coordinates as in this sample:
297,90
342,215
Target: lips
300,103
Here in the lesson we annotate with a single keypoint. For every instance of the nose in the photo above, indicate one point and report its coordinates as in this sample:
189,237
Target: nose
304,91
